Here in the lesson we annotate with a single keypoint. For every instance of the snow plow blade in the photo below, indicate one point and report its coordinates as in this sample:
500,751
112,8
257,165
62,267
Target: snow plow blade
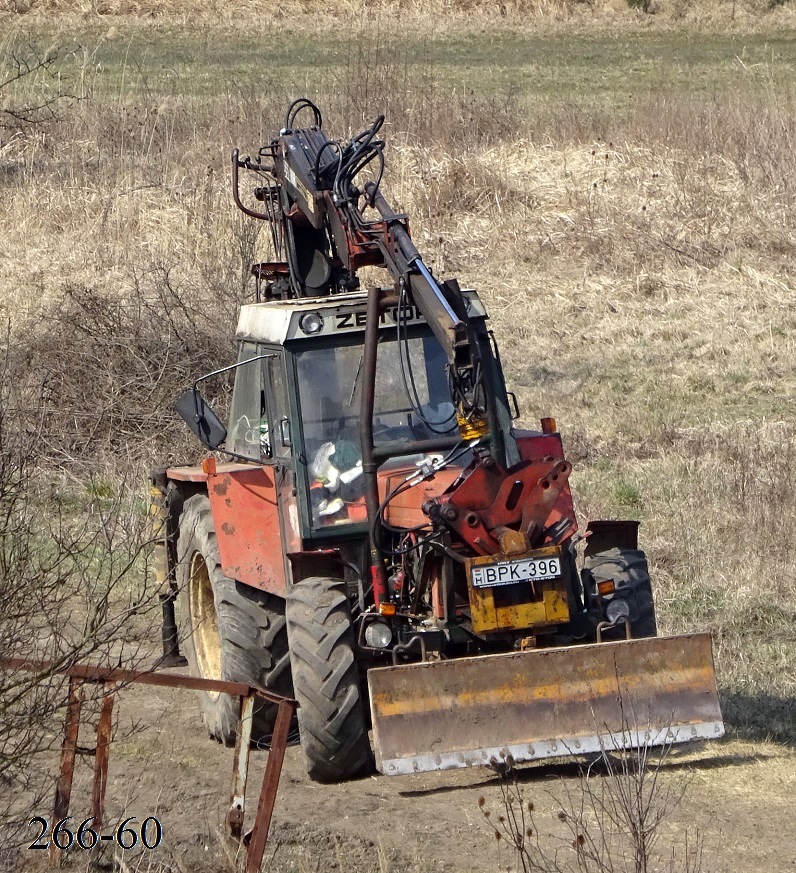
544,703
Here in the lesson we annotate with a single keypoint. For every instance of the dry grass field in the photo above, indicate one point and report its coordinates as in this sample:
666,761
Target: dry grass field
620,187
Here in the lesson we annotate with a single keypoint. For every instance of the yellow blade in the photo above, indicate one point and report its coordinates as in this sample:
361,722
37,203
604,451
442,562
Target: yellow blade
544,703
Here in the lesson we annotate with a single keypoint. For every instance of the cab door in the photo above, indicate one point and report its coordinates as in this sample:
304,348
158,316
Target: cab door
251,501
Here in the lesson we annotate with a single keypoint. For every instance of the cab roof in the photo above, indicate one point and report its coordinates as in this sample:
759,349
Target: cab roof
280,321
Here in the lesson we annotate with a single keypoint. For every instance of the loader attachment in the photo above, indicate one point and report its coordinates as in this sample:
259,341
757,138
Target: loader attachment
544,703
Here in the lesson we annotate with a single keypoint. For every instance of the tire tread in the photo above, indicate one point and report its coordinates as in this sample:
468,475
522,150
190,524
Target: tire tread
326,681
252,627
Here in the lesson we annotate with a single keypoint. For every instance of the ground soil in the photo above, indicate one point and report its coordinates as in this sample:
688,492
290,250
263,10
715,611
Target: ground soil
738,800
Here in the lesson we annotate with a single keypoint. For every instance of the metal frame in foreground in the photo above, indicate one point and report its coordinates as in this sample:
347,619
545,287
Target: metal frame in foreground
255,840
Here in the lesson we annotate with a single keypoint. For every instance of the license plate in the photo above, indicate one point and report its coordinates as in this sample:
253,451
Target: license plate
511,572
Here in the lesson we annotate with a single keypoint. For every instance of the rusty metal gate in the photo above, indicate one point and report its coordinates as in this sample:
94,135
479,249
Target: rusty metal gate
111,679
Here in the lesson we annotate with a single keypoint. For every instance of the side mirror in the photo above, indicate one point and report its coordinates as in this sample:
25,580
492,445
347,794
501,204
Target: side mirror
284,431
206,426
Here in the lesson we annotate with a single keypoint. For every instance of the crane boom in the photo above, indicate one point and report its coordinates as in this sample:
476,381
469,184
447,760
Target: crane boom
317,213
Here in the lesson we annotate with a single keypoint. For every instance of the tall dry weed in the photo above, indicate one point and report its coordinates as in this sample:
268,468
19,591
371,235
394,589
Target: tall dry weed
600,12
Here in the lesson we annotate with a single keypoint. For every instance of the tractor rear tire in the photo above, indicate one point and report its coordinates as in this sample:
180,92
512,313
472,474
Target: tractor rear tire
228,630
326,681
628,568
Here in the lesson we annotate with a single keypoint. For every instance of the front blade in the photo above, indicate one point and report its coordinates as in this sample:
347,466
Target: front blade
544,703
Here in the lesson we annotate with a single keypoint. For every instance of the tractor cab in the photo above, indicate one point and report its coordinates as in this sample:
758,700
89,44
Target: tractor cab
297,398
412,403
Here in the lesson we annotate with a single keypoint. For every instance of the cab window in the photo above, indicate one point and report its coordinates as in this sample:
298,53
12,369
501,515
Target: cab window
249,428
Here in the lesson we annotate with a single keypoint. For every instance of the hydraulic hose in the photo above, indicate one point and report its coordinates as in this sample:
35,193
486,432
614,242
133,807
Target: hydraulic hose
369,465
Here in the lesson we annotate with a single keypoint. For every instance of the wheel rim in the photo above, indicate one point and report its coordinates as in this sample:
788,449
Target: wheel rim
204,621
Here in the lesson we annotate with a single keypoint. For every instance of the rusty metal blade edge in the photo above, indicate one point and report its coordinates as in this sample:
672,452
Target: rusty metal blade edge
567,746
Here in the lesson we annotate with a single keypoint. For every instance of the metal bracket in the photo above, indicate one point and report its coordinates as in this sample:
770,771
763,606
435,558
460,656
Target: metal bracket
607,625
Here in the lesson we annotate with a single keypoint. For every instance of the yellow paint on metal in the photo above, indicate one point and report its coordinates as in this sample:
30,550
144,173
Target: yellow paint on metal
512,542
546,604
204,620
511,693
473,427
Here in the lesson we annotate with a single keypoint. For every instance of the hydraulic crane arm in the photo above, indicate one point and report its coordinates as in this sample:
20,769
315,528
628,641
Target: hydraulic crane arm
317,214
438,302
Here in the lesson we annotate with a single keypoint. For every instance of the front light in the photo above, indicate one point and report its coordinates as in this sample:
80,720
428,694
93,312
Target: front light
616,610
311,322
378,635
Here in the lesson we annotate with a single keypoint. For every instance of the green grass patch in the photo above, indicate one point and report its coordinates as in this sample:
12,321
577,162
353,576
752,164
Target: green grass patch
587,68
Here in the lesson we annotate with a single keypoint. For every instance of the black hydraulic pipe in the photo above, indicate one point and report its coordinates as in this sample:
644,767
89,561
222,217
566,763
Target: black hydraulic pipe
164,570
369,464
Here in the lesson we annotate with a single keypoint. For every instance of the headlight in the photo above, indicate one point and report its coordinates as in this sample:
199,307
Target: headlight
311,322
378,635
616,610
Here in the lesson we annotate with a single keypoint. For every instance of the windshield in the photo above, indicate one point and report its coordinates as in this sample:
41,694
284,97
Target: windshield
412,403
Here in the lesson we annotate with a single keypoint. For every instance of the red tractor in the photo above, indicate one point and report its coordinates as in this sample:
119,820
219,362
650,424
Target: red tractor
383,543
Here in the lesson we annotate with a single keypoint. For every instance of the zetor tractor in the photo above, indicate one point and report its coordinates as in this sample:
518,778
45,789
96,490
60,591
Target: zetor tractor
384,544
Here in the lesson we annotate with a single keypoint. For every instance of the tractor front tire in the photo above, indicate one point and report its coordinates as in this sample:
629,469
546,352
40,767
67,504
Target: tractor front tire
326,681
630,573
227,630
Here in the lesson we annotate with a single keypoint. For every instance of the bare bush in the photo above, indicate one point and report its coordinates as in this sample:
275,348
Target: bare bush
73,587
612,821
109,370
32,87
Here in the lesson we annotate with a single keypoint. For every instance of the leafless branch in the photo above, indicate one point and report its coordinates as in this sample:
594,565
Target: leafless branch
44,91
